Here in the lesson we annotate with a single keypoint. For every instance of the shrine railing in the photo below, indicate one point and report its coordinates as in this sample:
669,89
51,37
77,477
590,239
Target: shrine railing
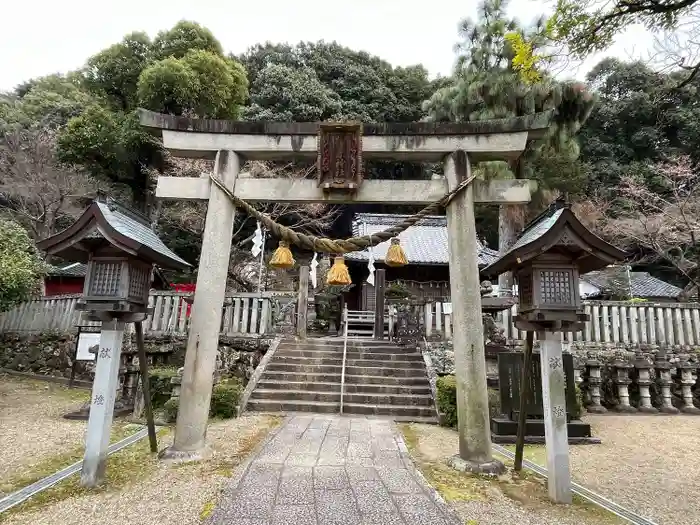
244,314
612,323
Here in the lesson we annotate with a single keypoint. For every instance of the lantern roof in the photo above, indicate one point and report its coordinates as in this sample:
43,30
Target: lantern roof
108,222
557,227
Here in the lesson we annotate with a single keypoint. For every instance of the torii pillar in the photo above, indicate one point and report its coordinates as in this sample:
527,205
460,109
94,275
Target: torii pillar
456,144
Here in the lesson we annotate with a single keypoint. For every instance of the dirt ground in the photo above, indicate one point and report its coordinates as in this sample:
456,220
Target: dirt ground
32,428
645,463
142,489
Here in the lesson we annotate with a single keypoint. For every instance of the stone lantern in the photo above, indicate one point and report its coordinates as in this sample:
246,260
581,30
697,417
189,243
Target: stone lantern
120,251
546,260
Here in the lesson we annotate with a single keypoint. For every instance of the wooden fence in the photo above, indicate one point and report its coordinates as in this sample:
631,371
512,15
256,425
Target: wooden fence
244,314
611,323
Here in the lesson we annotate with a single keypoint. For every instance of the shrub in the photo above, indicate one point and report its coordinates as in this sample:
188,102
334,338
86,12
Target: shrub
170,409
224,398
447,400
159,383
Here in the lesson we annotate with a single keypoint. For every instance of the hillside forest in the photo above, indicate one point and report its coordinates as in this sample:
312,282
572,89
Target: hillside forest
624,148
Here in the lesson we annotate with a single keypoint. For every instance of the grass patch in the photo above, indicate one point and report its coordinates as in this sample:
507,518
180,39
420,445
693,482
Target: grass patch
47,387
48,466
129,465
526,488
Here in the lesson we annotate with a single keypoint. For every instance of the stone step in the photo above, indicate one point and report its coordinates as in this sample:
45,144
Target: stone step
338,360
338,342
350,388
380,371
389,410
334,377
273,405
317,386
380,354
363,379
364,399
398,413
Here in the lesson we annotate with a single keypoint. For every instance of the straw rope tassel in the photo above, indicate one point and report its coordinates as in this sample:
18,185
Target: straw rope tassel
338,275
395,255
282,258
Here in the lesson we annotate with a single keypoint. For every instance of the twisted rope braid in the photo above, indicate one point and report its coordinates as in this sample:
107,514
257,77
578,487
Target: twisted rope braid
339,246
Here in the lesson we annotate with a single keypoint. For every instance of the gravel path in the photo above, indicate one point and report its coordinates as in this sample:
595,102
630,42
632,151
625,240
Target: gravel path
646,463
491,502
32,427
182,494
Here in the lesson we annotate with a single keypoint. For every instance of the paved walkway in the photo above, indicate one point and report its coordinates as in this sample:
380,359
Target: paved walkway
331,470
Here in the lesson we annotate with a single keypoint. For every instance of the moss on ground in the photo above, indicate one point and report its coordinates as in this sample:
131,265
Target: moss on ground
48,466
526,488
129,465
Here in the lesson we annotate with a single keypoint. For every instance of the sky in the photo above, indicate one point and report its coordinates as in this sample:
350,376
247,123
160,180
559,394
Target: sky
40,37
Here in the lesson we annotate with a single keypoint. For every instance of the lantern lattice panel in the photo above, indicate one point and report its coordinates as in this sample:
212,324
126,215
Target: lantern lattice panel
105,279
556,287
525,289
138,281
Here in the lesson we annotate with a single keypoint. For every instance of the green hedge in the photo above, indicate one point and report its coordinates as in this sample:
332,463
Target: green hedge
447,400
224,398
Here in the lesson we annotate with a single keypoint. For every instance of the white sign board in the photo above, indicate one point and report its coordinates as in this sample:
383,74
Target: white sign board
86,340
447,308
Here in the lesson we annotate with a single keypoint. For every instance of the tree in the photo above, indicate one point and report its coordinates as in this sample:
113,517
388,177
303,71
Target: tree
660,224
200,83
642,118
281,93
182,38
46,102
487,84
22,267
114,72
182,72
36,190
591,26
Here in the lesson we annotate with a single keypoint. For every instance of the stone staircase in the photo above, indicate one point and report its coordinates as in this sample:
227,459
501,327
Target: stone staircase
381,379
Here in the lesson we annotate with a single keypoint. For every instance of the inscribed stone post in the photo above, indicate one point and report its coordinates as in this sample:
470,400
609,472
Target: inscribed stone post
555,431
468,333
104,391
203,337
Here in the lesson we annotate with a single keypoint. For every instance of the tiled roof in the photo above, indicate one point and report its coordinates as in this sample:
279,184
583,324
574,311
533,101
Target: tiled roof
642,283
72,270
129,224
424,243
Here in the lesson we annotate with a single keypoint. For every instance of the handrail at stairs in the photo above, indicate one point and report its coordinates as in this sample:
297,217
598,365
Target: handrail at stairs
345,351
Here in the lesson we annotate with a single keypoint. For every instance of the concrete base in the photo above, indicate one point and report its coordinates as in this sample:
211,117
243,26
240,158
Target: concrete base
540,440
170,455
648,410
596,409
504,428
83,413
691,410
489,468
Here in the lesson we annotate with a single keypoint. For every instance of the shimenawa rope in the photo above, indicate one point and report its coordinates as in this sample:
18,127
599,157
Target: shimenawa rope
339,246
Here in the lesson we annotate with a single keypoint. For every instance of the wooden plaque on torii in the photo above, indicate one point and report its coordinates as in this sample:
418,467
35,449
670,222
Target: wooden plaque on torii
340,156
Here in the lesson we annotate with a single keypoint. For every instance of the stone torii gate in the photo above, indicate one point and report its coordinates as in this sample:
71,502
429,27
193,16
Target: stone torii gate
230,143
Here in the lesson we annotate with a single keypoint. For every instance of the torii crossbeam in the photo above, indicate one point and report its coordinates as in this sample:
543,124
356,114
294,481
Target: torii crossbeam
231,143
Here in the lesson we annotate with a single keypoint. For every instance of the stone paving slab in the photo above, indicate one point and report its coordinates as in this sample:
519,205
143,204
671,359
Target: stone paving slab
331,470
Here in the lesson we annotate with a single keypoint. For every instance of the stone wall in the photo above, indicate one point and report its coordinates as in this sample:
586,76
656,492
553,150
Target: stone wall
52,354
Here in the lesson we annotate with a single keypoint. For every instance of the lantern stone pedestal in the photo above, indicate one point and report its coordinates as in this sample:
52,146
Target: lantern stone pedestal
686,379
665,380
